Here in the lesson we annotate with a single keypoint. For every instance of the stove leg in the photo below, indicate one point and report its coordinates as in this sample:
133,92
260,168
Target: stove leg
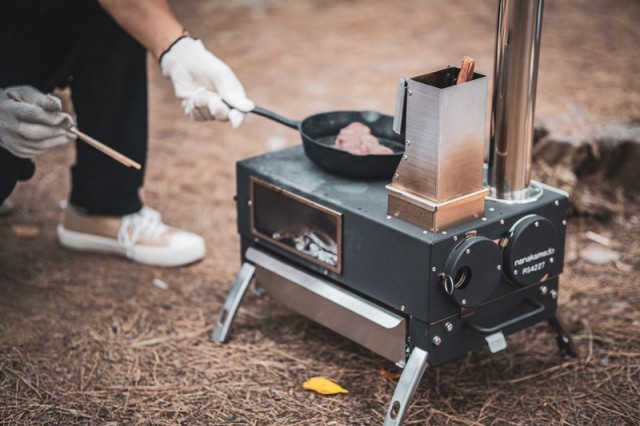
413,371
228,313
565,343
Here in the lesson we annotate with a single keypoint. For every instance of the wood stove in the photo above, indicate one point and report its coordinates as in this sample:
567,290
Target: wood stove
420,270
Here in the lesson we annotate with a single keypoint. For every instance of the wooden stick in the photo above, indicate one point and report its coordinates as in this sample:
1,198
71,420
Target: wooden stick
466,70
105,149
74,132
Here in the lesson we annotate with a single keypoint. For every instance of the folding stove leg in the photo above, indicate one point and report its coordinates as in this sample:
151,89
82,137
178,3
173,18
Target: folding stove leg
565,343
228,313
413,371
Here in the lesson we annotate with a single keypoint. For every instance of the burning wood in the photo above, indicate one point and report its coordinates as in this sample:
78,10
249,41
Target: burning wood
313,243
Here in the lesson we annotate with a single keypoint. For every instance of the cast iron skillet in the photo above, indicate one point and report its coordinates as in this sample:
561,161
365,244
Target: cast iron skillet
320,130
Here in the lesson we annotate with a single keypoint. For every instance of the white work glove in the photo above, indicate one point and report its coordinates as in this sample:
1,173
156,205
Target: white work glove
202,81
31,122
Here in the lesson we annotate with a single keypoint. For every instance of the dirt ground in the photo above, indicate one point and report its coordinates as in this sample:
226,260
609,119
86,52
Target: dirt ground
90,340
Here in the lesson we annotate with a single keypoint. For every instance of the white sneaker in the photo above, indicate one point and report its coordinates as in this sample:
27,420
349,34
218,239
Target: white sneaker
141,237
6,208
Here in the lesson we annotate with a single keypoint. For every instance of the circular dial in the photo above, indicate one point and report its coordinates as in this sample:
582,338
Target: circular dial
531,251
473,271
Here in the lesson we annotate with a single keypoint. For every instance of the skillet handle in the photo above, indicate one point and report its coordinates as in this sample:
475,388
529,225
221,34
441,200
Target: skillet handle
295,125
276,117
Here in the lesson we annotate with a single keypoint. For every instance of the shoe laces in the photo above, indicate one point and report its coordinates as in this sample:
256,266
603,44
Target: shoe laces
145,222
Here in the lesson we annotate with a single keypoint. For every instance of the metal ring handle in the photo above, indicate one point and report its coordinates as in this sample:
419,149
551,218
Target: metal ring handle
447,283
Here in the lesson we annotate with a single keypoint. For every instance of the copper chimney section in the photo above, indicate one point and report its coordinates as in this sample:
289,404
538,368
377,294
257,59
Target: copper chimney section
514,99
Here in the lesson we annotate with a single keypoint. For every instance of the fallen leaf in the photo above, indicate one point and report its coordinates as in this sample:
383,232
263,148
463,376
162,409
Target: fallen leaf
275,143
26,231
624,267
388,374
160,284
600,239
599,255
323,386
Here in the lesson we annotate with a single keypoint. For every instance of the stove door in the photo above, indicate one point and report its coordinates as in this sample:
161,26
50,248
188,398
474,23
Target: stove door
296,224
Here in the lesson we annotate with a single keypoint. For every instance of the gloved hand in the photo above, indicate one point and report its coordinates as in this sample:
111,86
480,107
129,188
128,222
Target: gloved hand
31,122
201,81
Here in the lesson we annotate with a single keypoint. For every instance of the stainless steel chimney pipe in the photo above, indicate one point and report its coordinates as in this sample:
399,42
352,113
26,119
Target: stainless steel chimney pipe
514,99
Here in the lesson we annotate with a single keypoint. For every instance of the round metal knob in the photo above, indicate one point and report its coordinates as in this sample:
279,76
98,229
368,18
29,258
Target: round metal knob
473,271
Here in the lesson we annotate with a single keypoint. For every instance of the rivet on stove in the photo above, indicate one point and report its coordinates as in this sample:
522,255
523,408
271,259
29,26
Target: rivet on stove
468,251
564,222
499,267
396,176
402,308
437,340
408,143
444,232
255,240
249,203
501,221
433,269
409,92
405,158
425,232
325,272
448,326
551,260
553,294
455,238
544,290
515,272
491,209
388,217
537,224
557,203
464,301
484,219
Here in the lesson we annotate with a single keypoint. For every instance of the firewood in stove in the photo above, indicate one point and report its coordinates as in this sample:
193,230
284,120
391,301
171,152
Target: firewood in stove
466,70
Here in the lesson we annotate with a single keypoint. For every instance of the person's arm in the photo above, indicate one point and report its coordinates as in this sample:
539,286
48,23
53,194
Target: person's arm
151,22
201,80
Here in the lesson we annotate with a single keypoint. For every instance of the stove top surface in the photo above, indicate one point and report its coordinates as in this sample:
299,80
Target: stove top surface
290,169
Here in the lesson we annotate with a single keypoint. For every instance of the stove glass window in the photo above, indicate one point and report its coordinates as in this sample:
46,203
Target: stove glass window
297,224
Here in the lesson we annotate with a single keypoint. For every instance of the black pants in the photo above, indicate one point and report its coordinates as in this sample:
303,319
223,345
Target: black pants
55,43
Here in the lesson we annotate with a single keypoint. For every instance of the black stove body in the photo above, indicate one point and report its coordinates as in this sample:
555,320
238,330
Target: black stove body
454,288
325,246
434,263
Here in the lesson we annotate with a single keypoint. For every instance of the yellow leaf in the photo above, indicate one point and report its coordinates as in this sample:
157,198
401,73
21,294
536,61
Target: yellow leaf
26,231
388,374
323,386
